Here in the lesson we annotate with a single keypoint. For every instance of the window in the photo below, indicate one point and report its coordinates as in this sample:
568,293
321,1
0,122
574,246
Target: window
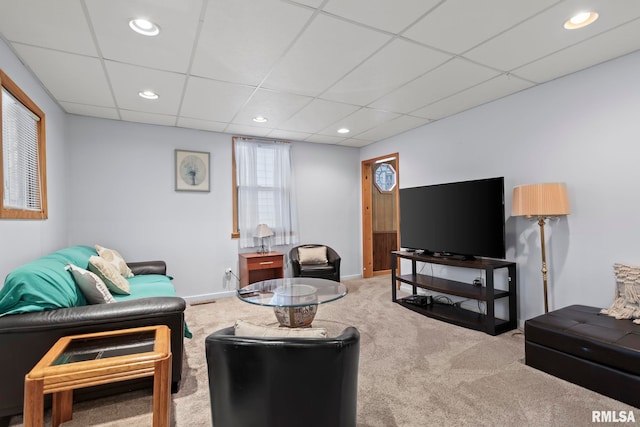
24,191
263,190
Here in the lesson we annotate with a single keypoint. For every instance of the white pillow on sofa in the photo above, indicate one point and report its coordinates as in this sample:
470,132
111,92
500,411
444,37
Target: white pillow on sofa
247,329
112,256
110,275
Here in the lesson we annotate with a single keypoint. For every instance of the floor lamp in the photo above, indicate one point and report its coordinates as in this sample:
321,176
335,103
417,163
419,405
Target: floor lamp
541,201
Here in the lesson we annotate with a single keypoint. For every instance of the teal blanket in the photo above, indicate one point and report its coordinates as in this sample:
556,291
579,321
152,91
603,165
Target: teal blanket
44,284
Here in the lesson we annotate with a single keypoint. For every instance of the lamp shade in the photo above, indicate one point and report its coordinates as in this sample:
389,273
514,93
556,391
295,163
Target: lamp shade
540,200
262,230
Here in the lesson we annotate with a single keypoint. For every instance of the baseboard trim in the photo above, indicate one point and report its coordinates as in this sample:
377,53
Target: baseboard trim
205,298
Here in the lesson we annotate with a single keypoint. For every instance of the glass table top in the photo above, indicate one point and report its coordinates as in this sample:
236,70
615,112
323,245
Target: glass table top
102,347
292,292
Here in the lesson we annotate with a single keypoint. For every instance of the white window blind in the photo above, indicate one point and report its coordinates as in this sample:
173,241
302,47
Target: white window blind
22,187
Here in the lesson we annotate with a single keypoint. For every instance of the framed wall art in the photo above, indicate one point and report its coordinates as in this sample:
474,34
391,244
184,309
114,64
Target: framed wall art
192,171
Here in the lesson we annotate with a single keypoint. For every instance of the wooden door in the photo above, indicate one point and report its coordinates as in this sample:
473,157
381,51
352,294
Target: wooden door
380,213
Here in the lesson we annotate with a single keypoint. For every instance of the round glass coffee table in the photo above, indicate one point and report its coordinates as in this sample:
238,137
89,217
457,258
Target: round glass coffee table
294,300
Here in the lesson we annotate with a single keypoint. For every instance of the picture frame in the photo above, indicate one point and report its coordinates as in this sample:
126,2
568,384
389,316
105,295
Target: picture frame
192,171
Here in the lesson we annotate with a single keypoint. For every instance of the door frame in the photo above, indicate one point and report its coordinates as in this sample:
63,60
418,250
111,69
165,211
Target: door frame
367,215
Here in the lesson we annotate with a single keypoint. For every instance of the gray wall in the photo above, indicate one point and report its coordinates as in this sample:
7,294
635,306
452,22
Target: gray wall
121,181
583,130
328,189
23,240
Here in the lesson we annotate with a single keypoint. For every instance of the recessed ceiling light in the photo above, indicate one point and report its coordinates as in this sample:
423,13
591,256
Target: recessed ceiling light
580,20
144,27
148,94
260,119
343,130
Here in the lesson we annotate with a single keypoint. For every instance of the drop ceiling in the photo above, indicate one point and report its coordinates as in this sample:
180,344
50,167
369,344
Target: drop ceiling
376,67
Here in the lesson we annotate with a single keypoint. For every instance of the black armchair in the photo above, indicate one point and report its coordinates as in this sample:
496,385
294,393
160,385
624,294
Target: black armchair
313,266
282,382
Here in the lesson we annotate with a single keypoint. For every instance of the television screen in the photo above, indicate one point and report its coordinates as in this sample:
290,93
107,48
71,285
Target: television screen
460,218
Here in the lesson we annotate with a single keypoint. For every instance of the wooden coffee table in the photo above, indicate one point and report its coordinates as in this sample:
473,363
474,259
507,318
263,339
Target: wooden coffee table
87,360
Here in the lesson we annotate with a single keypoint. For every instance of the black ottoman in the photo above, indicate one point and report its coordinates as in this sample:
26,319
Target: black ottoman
593,350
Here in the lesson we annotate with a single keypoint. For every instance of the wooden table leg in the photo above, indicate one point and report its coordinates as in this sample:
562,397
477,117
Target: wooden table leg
162,393
33,410
62,409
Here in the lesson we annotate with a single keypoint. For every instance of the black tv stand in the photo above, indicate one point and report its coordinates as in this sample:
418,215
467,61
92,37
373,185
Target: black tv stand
455,314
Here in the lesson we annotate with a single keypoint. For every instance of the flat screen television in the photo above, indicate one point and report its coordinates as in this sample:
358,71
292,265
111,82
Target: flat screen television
463,219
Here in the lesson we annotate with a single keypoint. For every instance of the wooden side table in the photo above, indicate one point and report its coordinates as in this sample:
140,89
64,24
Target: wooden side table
256,267
86,360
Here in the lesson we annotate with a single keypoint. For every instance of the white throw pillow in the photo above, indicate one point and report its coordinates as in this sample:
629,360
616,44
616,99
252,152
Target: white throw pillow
110,275
112,256
247,329
627,302
312,255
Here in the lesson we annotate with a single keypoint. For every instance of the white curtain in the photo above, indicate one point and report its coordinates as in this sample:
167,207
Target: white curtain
266,193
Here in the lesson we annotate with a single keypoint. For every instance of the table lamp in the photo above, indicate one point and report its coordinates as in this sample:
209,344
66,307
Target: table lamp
541,201
262,231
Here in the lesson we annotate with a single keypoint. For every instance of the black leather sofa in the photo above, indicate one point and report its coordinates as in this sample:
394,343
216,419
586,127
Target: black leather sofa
593,350
26,337
283,382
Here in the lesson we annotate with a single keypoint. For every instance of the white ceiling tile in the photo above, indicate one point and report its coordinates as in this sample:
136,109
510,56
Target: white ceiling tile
353,142
458,25
212,100
488,91
392,16
452,77
90,110
603,47
170,50
247,130
69,77
545,34
241,40
393,127
326,51
275,106
289,136
360,121
317,115
398,62
186,122
325,139
312,3
128,80
53,24
149,118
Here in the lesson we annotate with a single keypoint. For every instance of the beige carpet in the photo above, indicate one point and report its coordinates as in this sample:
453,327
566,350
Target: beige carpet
414,371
